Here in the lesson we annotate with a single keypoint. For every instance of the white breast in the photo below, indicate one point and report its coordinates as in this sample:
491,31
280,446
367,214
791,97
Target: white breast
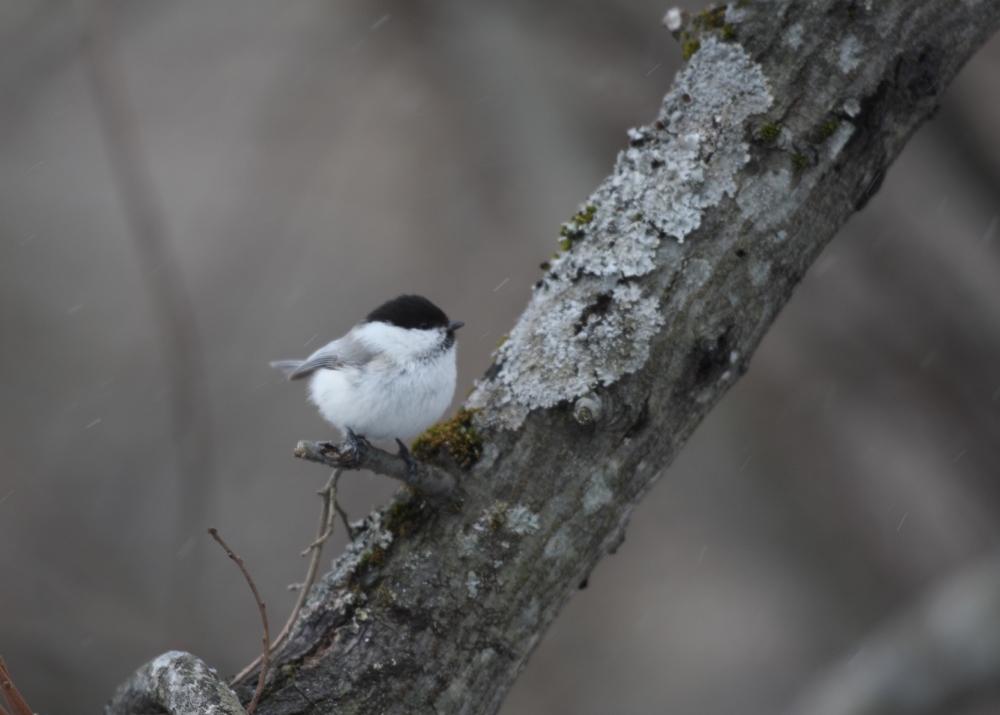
395,395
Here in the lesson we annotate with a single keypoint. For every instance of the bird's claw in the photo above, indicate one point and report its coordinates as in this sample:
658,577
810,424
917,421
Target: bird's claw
411,462
358,443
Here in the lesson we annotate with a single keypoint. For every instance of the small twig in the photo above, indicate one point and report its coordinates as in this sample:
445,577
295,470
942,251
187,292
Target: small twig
14,699
263,617
435,484
326,521
343,518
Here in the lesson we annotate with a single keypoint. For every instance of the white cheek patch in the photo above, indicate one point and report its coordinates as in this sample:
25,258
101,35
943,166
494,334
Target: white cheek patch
399,345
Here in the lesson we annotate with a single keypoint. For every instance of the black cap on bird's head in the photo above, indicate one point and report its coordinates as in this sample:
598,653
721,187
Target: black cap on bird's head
412,312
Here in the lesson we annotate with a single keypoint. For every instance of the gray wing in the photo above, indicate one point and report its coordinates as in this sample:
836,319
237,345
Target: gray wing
339,354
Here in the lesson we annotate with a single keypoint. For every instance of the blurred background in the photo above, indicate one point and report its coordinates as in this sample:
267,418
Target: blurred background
312,159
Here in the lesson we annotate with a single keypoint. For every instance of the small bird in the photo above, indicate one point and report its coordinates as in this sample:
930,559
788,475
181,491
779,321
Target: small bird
390,377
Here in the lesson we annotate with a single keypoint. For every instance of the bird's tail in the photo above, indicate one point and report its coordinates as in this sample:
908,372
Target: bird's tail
287,366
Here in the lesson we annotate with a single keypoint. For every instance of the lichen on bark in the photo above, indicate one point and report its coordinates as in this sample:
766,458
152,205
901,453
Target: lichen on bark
589,321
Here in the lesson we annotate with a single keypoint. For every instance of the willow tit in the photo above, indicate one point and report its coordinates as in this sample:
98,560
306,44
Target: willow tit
390,377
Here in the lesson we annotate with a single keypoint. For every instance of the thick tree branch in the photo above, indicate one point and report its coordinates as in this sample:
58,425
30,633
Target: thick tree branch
783,124
178,683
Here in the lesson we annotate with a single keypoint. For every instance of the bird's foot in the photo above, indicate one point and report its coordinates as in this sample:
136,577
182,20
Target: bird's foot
358,442
411,462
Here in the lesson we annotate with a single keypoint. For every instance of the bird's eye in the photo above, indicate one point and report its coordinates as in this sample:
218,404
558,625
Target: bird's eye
424,326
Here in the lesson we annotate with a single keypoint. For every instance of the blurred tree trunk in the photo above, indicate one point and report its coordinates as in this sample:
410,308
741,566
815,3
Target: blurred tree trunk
782,125
173,313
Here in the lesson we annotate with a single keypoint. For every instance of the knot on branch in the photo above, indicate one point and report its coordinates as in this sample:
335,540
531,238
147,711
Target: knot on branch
435,484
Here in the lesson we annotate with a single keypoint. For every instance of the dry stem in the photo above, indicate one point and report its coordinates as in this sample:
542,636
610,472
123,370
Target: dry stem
326,522
263,617
14,699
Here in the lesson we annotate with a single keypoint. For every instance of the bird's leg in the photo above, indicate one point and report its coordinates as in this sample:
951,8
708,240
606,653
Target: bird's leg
358,442
410,461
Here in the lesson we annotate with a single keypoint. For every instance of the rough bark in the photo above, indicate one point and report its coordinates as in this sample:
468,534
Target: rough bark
177,683
782,125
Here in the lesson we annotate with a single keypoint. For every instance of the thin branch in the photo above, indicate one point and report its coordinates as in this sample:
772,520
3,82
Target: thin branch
263,617
14,698
326,521
435,484
343,518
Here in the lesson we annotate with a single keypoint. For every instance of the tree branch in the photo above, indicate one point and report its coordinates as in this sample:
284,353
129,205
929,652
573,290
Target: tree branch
10,693
783,124
266,655
434,483
178,683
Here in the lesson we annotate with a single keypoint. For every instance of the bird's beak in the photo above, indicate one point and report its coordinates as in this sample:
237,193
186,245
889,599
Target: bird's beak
455,325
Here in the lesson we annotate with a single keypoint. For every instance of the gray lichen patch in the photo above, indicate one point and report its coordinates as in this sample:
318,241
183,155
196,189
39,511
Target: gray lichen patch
849,54
844,131
472,584
597,495
589,321
176,682
759,199
521,520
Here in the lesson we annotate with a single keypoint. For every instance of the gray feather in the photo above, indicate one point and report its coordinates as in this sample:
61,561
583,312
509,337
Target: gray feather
338,354
287,366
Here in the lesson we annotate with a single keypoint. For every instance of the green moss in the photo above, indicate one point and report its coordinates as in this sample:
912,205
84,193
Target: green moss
799,161
711,19
456,435
384,596
689,48
405,516
637,217
545,266
830,127
503,338
769,132
728,33
573,229
374,558
495,515
585,216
